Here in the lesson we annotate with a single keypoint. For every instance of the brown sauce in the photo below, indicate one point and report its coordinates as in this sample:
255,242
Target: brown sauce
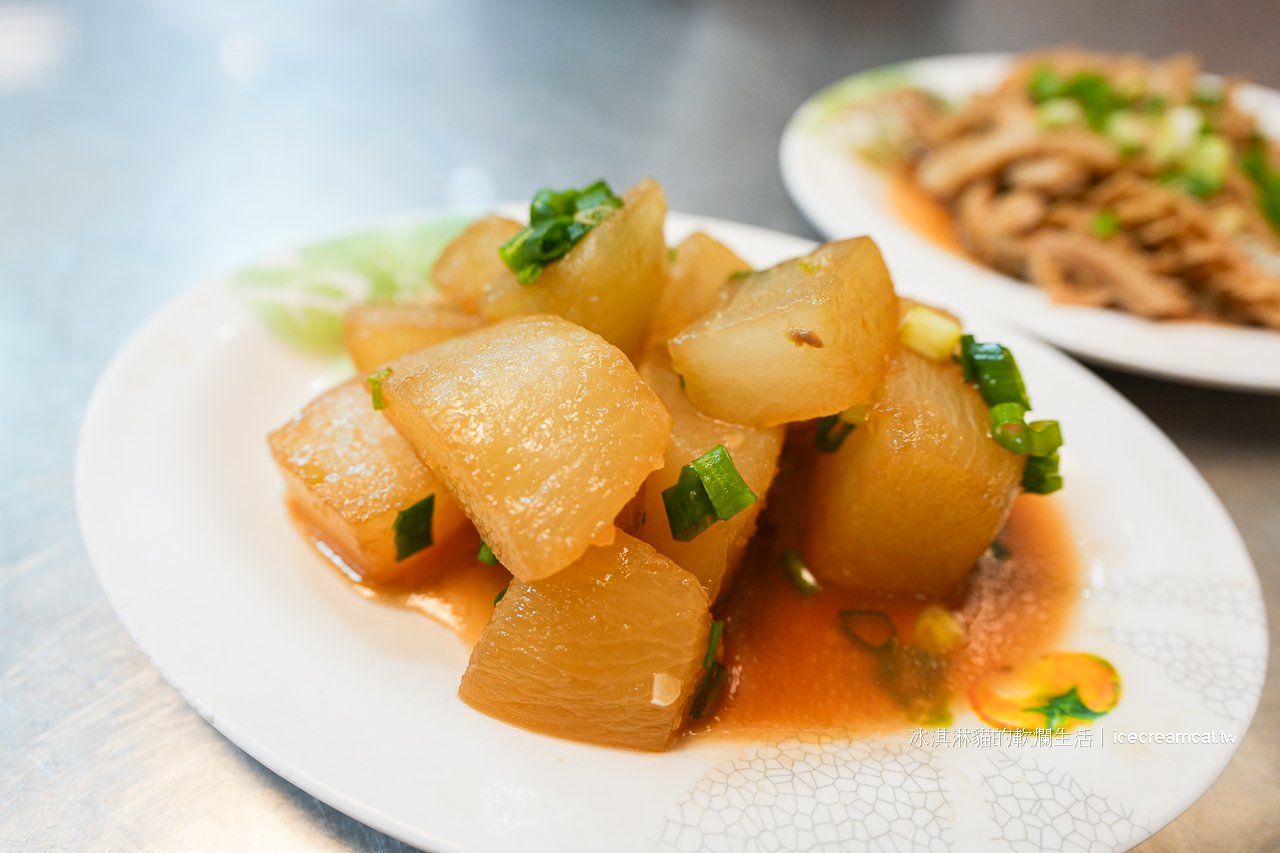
453,588
792,667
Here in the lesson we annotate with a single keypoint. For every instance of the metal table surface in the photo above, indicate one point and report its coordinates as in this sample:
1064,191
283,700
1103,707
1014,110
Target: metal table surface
146,145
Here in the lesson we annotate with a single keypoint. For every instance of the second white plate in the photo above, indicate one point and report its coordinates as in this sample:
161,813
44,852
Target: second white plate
843,197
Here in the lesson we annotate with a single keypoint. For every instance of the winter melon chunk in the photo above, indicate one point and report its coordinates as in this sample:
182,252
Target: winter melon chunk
376,333
807,338
356,487
541,429
609,651
700,268
471,261
608,283
714,554
911,499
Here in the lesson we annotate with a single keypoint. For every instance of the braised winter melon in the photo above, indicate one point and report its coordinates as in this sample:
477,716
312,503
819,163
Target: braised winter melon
608,282
807,338
541,429
701,267
471,261
714,554
911,499
377,332
609,651
359,491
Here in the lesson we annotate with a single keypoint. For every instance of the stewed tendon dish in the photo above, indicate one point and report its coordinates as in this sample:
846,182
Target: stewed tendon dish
565,455
1106,180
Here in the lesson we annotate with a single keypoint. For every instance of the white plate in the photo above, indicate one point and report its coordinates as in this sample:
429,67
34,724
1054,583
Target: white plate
843,196
356,703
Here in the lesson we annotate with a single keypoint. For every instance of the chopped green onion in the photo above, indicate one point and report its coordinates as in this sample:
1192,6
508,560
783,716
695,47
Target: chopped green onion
800,574
1177,133
412,527
689,508
1105,224
929,333
710,489
704,698
486,555
557,221
1041,476
500,595
1128,130
869,628
1045,83
728,492
672,254
831,433
1008,426
994,370
736,274
1093,96
1011,431
1204,167
1059,112
713,643
375,381
1044,437
1255,163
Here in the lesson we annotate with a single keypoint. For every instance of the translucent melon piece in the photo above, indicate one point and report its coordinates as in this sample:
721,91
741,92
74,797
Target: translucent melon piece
376,333
609,651
701,268
471,261
348,475
911,499
807,338
715,553
541,430
608,283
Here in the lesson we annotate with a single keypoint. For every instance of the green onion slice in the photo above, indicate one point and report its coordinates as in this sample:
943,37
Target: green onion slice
486,555
832,431
375,381
557,221
1105,224
992,367
689,508
713,643
704,698
800,574
412,527
870,629
1041,476
1008,426
500,595
728,492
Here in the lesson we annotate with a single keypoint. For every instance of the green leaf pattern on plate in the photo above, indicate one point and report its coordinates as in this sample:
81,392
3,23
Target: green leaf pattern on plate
301,296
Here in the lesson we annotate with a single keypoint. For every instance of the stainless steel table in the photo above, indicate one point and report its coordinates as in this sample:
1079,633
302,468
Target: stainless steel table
148,145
